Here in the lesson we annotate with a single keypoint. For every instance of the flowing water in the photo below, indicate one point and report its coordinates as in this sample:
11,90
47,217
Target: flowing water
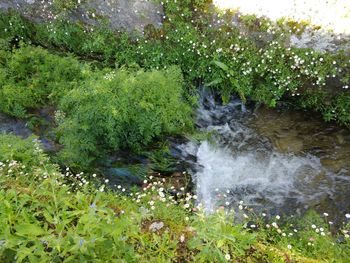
278,161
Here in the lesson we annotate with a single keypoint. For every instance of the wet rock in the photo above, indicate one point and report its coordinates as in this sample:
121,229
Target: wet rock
14,126
320,40
288,144
122,176
19,127
333,165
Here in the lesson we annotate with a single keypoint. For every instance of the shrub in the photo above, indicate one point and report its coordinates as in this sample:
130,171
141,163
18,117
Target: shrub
32,77
122,109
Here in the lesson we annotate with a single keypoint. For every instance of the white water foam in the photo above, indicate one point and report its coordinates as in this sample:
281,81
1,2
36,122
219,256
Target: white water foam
240,165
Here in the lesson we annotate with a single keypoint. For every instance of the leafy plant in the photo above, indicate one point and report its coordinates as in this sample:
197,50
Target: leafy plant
122,109
32,78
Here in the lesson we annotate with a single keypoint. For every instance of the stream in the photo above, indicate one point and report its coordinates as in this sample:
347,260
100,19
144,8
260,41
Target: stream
277,161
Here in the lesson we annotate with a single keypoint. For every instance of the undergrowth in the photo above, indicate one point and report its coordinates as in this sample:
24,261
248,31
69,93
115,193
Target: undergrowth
52,216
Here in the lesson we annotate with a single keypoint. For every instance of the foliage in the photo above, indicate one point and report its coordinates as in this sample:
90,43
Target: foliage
63,5
191,38
47,216
32,77
26,151
122,109
161,160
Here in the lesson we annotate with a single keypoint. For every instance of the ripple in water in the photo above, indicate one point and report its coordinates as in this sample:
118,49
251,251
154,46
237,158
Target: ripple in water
240,165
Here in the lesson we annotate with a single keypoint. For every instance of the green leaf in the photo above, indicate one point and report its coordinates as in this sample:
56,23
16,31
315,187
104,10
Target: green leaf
220,243
29,230
221,65
214,82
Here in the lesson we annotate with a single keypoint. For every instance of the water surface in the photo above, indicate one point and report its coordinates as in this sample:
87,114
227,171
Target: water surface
277,161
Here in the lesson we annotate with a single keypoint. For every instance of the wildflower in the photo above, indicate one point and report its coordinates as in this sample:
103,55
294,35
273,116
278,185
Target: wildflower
313,226
240,207
106,181
182,238
278,217
325,214
347,215
227,257
289,247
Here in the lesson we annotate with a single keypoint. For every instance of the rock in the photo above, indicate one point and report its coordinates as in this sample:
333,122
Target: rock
122,176
129,15
288,144
11,125
156,226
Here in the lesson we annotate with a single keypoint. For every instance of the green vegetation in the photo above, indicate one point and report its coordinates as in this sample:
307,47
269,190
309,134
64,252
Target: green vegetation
66,5
28,152
32,78
47,216
113,92
98,111
122,109
190,39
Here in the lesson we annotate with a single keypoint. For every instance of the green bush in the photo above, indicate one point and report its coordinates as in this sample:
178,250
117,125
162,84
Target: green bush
31,78
122,109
